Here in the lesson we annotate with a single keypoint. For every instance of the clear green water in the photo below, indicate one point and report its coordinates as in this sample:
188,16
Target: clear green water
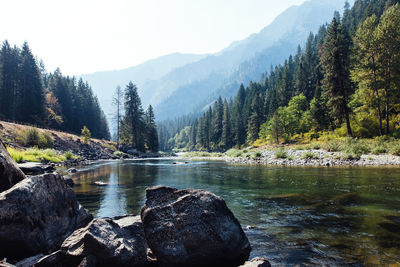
302,216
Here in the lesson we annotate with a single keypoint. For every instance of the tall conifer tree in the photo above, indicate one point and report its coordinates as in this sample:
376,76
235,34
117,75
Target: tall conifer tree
335,62
133,122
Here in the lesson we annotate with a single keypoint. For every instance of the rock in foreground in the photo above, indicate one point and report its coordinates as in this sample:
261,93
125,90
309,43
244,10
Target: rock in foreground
36,215
10,174
105,242
192,228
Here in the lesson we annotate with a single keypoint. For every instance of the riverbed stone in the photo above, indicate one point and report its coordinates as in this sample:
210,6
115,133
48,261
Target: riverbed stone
118,241
31,168
10,174
192,228
257,262
69,181
37,215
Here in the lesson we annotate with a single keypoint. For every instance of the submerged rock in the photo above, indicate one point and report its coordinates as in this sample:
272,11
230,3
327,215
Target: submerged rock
192,228
10,174
72,170
36,215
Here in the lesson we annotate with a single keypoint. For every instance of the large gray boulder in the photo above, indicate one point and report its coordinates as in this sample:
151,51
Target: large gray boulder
10,174
37,215
115,241
109,242
192,228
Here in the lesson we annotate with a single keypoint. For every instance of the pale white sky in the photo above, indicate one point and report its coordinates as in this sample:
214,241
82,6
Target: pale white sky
84,36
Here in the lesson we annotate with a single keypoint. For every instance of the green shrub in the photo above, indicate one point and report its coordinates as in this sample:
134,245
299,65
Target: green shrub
256,155
45,140
32,137
316,146
247,155
202,154
395,149
309,155
281,154
15,154
377,149
354,148
333,145
119,153
234,153
350,156
69,155
35,154
85,134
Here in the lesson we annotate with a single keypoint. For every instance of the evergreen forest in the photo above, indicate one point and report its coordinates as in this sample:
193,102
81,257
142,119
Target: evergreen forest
345,81
29,94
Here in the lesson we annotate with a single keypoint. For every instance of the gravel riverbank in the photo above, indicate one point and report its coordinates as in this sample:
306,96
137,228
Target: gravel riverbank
309,158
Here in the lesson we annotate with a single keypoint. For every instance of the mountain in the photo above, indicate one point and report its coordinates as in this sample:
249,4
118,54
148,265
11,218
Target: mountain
105,82
177,84
244,60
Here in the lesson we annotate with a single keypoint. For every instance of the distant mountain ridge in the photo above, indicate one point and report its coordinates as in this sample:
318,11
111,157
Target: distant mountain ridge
105,82
255,54
196,80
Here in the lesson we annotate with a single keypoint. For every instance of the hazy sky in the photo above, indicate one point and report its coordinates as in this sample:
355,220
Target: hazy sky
84,36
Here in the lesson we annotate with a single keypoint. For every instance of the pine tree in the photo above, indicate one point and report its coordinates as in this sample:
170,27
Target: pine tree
192,137
335,62
226,140
218,112
366,66
32,102
208,129
255,120
118,103
238,123
151,137
133,122
200,138
388,32
10,60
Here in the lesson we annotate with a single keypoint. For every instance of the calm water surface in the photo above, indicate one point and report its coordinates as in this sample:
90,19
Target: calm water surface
303,216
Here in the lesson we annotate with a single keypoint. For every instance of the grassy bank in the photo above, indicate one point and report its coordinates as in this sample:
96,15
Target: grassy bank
39,155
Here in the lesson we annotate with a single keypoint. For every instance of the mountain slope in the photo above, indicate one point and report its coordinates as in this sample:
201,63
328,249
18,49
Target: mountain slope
104,83
222,73
177,84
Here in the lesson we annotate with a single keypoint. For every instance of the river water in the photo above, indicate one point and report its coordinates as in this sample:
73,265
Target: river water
302,216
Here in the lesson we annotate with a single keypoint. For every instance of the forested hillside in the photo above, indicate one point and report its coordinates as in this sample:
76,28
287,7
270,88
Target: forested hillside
244,60
346,79
28,93
169,82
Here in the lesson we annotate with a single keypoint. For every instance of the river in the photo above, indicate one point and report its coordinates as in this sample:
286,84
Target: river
308,216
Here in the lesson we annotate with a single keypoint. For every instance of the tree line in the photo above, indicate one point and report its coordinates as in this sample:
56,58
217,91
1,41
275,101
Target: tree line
346,79
135,127
28,93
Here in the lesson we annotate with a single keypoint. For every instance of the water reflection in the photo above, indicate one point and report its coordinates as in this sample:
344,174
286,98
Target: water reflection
308,216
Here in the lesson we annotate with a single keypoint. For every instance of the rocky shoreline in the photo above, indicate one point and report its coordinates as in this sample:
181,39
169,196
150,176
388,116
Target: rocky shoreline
42,224
309,158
